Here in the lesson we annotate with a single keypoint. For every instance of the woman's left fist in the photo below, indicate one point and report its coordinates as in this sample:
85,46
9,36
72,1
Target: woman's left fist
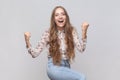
85,26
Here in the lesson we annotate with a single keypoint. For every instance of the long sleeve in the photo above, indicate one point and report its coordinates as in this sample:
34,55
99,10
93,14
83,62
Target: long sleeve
79,44
41,44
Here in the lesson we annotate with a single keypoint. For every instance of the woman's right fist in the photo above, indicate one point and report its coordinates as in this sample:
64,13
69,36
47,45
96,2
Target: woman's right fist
27,35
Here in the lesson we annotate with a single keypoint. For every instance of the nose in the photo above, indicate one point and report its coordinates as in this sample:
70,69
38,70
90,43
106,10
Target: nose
60,16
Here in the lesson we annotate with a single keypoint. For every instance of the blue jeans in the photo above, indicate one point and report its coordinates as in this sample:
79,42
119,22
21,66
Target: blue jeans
62,72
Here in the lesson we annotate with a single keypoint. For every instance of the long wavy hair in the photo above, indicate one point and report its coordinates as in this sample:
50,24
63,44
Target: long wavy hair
53,39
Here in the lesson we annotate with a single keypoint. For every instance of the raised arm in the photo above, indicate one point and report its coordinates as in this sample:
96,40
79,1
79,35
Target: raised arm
84,27
81,44
41,44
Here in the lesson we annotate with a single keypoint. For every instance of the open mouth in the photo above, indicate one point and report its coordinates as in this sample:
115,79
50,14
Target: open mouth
61,21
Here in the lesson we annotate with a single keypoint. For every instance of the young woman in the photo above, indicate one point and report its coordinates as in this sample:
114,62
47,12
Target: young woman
61,39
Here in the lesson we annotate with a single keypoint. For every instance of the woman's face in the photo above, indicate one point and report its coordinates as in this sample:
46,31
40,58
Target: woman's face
60,17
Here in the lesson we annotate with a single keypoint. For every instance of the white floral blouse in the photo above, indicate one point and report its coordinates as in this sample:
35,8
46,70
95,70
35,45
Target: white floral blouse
79,44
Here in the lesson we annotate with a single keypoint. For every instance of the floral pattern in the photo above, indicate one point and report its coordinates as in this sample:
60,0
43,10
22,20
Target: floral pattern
79,44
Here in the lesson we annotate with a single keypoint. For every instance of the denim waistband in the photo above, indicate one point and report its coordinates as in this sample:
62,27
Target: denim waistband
64,63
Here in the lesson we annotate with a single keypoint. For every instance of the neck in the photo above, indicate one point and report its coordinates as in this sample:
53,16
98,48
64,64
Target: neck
60,28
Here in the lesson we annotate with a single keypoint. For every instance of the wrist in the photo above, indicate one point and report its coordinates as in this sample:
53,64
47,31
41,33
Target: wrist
84,31
84,37
28,45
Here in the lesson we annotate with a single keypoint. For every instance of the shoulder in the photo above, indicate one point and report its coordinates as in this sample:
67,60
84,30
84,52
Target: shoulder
74,31
46,32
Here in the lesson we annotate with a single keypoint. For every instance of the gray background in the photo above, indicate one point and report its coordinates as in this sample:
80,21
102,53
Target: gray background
100,61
